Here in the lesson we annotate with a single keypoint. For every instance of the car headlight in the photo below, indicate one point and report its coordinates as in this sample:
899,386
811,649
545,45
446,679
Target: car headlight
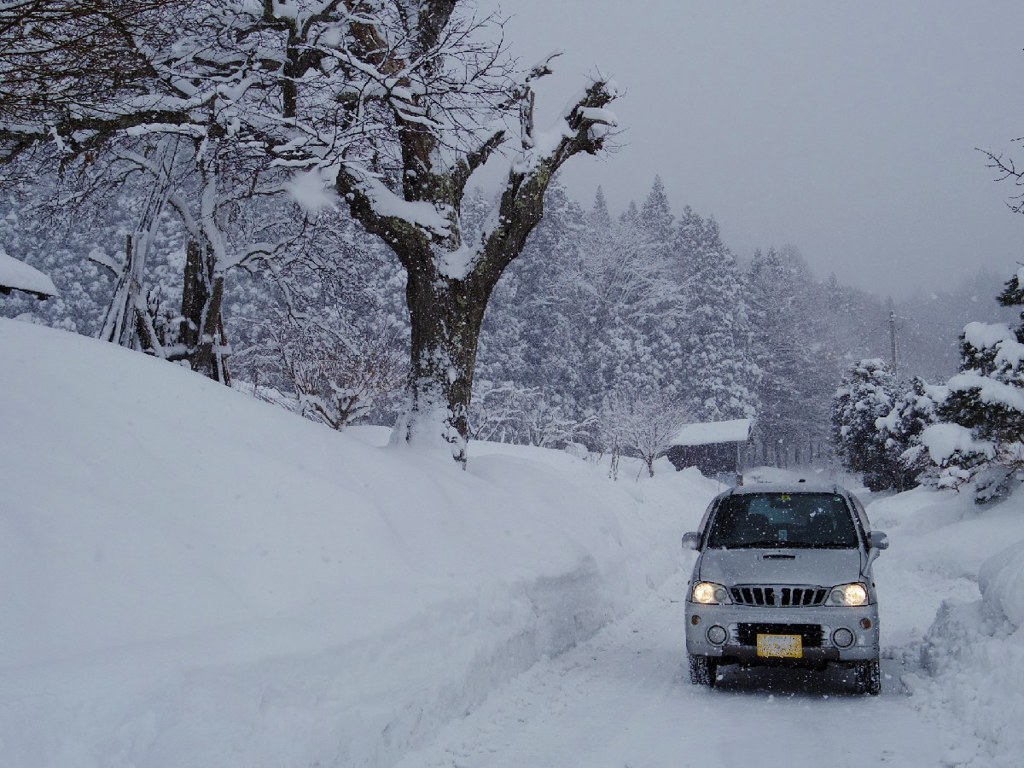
849,595
709,593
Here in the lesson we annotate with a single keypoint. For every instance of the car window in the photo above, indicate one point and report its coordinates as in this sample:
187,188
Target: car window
704,519
808,520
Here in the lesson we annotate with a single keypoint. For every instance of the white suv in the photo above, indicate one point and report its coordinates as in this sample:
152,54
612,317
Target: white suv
784,578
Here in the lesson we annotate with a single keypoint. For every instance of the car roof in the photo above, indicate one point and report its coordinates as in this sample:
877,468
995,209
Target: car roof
786,487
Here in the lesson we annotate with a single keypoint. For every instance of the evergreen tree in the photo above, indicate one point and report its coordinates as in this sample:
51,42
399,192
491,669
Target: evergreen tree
657,320
655,221
592,278
929,325
626,276
866,395
719,375
985,406
531,348
987,396
902,427
775,285
1012,295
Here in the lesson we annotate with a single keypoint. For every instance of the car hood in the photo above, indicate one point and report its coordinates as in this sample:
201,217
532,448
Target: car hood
821,567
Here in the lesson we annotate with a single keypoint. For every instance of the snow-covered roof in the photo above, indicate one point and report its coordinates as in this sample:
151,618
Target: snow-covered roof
706,433
19,276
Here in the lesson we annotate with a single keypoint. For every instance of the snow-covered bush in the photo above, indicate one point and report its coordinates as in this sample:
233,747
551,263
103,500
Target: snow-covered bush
340,368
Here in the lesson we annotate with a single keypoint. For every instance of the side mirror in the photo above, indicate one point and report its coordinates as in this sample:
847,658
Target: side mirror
878,540
691,540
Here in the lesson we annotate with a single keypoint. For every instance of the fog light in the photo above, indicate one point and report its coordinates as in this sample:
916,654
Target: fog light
695,620
842,638
717,634
865,623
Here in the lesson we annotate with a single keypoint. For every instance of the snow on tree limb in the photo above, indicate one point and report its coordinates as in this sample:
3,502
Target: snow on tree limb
522,202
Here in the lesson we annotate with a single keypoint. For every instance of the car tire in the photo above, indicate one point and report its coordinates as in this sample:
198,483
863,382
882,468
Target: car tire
868,677
703,670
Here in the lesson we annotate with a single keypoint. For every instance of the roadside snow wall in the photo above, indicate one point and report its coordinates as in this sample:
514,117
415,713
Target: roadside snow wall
975,652
191,577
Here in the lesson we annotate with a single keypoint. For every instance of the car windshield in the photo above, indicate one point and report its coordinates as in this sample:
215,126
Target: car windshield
783,520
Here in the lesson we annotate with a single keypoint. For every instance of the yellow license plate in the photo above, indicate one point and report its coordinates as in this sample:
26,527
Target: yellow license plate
780,646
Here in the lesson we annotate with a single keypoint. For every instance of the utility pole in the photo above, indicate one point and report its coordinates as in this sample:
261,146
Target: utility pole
892,340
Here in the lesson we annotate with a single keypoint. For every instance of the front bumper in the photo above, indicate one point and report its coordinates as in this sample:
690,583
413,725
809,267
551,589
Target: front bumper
830,618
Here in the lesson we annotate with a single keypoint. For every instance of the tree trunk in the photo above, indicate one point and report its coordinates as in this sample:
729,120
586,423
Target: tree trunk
210,355
201,331
446,317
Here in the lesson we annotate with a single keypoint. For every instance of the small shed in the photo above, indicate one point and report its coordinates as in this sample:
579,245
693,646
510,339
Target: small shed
16,275
716,448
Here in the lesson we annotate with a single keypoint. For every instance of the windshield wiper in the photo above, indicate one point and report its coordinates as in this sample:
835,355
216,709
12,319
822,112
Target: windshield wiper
766,544
776,544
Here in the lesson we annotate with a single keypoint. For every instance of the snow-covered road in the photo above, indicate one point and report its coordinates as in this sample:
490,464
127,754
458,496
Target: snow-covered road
623,700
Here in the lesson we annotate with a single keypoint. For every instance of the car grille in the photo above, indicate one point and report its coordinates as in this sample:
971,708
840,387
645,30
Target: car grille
773,595
810,634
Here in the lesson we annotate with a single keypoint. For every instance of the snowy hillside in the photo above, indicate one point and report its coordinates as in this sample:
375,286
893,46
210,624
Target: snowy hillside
192,577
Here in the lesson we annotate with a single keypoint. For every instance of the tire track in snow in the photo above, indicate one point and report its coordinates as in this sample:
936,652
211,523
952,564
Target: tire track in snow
623,699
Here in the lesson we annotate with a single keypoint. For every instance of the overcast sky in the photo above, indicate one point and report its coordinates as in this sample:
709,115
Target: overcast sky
847,129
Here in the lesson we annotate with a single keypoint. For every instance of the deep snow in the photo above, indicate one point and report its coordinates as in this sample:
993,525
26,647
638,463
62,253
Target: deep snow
191,577
970,560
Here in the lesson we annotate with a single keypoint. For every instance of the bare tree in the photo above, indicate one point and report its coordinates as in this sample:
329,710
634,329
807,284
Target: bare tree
339,377
509,413
641,423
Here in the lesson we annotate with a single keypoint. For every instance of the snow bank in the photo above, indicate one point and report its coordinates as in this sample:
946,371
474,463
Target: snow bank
977,663
974,650
193,577
1001,580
